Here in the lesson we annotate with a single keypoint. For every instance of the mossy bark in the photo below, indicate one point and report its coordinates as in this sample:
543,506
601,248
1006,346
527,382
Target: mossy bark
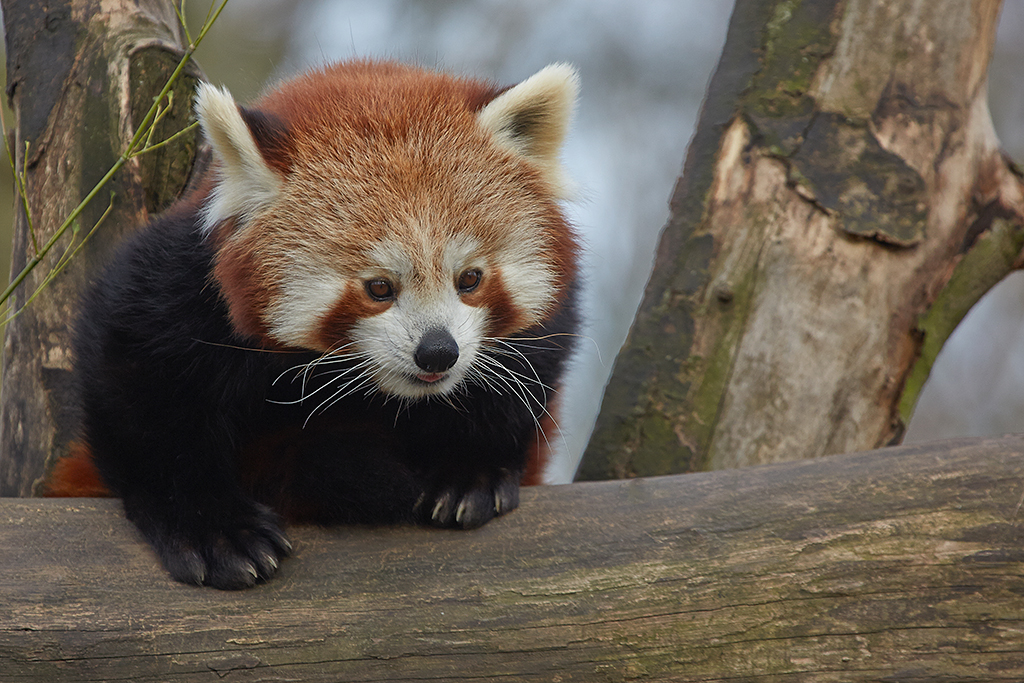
844,202
895,565
81,73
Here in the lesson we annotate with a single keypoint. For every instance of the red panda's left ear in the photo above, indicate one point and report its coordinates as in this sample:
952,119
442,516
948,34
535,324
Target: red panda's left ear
532,119
245,182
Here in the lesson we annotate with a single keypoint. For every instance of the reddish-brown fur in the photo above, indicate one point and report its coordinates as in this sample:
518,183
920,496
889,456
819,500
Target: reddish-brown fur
381,181
540,449
75,476
353,305
374,148
249,299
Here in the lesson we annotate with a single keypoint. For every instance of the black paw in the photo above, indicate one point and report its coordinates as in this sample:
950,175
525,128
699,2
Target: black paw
226,554
472,505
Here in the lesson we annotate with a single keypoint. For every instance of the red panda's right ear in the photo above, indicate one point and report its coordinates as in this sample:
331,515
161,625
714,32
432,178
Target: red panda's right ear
245,182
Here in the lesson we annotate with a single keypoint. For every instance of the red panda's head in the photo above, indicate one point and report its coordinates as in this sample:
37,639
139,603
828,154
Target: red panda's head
404,216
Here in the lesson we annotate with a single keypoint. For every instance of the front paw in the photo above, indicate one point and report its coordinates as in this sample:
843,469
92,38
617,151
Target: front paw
470,505
230,553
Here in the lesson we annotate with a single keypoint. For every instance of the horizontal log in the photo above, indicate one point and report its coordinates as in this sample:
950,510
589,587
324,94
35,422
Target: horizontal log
898,565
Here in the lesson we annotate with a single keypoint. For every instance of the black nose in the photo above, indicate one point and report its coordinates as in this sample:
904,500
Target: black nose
437,351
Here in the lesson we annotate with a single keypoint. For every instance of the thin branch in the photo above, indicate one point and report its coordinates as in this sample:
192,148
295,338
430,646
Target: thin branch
65,259
130,151
163,143
19,179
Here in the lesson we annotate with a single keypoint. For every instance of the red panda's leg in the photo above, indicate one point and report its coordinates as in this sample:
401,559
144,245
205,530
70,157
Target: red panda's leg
163,414
471,458
185,499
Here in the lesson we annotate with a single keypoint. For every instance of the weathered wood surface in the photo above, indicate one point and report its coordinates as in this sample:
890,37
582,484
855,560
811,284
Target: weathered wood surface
843,204
896,565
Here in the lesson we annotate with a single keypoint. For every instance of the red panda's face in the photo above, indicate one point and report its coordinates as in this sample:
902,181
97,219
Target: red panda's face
408,240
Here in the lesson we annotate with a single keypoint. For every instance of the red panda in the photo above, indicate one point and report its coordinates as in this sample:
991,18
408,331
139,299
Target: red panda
360,315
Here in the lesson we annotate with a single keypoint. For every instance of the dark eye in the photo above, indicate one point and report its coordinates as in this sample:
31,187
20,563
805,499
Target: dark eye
469,280
380,289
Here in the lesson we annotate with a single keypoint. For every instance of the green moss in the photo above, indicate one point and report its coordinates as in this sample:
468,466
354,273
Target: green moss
874,193
797,37
661,452
100,141
711,375
165,171
648,389
983,266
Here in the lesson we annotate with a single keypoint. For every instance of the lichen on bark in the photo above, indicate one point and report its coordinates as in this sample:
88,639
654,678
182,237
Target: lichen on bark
827,197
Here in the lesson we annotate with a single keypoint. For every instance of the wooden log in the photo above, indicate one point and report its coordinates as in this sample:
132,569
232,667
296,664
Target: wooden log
898,565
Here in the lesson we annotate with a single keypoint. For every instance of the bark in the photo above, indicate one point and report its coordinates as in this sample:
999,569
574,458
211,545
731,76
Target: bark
844,202
898,565
81,75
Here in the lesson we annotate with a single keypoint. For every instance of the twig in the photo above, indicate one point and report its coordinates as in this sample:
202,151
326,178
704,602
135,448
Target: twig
130,151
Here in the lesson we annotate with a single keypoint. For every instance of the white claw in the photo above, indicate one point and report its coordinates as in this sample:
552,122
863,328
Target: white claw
438,506
460,513
270,560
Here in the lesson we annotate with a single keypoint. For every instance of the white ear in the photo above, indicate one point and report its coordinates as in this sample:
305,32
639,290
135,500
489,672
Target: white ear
245,183
532,118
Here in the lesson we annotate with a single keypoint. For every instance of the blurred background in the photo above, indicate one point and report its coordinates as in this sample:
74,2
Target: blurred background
644,68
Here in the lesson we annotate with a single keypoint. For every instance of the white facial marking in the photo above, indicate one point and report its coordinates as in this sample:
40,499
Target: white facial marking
306,296
528,278
392,260
391,339
460,253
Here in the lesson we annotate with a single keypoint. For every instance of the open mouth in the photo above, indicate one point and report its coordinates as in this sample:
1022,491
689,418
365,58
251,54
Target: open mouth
430,377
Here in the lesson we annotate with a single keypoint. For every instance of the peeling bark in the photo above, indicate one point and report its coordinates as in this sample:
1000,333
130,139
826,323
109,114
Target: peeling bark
843,204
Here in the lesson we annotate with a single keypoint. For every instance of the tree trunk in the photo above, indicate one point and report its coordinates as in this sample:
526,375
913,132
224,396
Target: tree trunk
898,565
843,204
81,75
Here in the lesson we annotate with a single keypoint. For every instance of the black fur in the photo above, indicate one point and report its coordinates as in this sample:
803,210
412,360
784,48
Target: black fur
187,424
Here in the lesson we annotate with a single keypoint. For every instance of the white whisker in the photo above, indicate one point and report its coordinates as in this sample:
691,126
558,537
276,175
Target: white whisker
494,375
343,392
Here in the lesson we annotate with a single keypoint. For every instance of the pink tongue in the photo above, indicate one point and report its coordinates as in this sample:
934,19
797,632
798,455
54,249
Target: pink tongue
430,377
